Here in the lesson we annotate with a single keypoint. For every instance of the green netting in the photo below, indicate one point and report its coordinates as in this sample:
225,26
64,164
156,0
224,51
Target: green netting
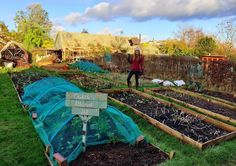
62,130
87,67
107,57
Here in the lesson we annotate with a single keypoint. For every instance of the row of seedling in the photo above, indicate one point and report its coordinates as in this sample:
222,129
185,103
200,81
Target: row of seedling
224,111
187,125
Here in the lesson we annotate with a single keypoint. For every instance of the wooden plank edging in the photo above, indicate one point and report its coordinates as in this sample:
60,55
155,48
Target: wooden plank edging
208,98
171,131
198,109
24,110
161,126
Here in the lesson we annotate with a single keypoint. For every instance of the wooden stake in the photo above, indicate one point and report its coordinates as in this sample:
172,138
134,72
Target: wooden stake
60,159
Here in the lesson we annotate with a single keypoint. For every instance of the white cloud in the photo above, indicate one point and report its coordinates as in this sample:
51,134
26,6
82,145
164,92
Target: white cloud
107,30
169,9
75,18
145,38
100,11
55,29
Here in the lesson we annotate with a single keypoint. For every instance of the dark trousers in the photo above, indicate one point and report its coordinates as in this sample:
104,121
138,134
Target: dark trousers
131,73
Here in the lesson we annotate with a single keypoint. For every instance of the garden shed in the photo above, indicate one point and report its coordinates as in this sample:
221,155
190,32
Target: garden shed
14,52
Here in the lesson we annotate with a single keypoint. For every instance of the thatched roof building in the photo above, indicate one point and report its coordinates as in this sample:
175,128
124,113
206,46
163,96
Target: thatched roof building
72,40
89,45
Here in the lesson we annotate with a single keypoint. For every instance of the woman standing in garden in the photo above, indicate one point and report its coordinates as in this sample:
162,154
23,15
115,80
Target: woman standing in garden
136,66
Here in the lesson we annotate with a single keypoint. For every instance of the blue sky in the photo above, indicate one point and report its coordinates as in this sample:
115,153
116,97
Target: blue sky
157,19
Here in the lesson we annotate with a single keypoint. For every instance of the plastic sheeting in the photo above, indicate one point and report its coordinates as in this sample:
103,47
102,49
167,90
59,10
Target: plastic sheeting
58,127
179,83
157,81
169,83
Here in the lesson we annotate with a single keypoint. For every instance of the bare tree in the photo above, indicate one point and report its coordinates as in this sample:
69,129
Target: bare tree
190,35
227,32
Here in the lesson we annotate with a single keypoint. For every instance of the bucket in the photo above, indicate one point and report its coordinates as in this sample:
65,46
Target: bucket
8,64
65,67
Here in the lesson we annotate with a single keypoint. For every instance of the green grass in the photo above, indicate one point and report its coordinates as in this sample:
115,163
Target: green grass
186,155
19,143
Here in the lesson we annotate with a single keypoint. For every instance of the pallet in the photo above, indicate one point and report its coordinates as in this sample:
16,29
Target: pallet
171,131
198,109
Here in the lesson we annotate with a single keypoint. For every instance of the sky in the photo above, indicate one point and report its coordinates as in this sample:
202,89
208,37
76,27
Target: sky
154,19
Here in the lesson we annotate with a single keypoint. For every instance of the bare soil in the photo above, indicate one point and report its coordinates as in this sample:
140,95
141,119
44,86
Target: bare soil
225,96
120,154
24,78
186,124
88,82
216,108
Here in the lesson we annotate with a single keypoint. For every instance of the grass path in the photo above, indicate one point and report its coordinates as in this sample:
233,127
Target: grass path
19,143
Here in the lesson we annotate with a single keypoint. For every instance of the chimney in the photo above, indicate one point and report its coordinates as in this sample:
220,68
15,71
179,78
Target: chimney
139,37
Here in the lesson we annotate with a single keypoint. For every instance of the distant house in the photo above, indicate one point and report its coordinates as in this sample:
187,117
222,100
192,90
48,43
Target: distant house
135,41
206,59
73,44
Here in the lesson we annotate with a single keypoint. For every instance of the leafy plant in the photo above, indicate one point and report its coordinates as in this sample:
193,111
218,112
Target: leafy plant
33,26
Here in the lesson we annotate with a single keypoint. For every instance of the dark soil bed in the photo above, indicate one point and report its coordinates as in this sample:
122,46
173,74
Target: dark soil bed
88,82
186,124
199,103
24,78
225,96
121,155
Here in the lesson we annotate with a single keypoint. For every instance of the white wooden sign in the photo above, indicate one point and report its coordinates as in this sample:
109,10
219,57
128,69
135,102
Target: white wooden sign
86,105
85,111
87,96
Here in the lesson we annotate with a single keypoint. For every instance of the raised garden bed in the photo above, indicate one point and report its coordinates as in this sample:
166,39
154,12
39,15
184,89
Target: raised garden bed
186,125
121,154
107,154
202,104
88,82
122,79
220,96
24,78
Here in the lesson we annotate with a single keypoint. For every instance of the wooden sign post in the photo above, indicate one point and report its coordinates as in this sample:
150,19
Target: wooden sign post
86,105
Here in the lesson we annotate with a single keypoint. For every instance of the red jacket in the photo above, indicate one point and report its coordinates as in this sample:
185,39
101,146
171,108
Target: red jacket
137,63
